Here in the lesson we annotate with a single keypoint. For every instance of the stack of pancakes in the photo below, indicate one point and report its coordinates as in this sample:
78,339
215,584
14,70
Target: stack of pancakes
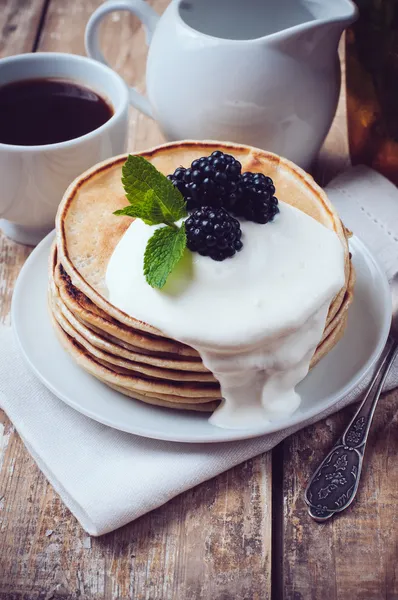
130,356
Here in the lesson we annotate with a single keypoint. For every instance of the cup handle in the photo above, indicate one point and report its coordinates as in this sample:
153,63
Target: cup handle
149,19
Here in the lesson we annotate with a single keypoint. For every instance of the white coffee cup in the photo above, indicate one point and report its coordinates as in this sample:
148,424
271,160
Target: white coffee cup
34,178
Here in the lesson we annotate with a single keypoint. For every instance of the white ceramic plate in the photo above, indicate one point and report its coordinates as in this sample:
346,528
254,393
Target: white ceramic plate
336,375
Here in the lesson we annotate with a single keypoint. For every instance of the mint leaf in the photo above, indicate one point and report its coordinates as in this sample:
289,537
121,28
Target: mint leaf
138,212
163,251
153,198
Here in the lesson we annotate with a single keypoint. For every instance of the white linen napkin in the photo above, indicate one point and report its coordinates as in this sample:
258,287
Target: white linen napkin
108,478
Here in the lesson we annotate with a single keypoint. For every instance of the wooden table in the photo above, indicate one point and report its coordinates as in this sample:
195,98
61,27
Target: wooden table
242,536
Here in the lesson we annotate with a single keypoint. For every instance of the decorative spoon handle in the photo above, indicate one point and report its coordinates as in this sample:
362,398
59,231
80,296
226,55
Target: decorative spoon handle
335,482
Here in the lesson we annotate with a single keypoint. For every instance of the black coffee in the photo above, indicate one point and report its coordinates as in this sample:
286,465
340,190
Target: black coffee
46,111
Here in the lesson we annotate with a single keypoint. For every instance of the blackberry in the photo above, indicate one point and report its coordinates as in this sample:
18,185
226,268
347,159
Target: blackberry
257,201
210,181
213,232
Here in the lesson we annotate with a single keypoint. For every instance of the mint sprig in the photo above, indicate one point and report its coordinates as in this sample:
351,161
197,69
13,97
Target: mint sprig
155,200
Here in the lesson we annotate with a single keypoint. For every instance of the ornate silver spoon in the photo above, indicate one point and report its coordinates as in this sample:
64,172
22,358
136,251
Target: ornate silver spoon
334,484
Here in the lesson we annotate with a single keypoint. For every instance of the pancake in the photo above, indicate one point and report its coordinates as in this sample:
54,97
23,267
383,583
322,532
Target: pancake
201,407
73,301
110,354
131,356
116,375
161,395
122,364
111,344
332,339
344,306
96,326
89,201
115,366
97,339
92,316
136,382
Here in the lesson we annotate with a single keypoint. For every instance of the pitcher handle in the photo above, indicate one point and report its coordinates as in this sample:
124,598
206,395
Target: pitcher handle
149,19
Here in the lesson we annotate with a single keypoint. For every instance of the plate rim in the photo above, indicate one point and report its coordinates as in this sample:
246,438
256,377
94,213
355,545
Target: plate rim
236,434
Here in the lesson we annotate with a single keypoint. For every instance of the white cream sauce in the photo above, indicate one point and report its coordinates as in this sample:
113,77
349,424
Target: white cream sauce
255,319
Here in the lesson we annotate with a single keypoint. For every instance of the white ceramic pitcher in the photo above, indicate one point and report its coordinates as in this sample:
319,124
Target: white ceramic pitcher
259,72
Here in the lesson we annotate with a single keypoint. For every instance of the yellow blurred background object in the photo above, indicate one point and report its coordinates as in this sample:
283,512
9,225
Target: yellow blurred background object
372,86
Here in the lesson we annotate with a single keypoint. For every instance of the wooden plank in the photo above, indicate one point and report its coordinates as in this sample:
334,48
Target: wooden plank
354,555
12,256
211,542
19,22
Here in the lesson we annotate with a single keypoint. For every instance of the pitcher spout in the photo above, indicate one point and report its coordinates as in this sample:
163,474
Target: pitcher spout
338,14
318,37
324,15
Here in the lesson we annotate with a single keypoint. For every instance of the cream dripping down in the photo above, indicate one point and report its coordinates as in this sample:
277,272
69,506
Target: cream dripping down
255,319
